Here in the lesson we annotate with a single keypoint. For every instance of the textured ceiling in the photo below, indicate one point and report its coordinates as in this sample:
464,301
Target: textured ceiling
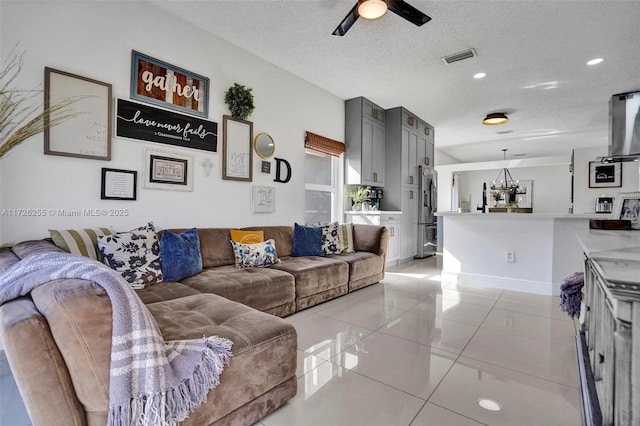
534,54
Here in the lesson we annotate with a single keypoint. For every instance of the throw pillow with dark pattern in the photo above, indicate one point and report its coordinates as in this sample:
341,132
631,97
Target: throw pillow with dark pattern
135,255
331,243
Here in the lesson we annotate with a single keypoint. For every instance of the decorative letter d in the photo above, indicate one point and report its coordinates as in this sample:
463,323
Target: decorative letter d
288,167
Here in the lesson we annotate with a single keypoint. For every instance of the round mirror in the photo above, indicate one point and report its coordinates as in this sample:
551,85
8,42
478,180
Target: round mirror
264,145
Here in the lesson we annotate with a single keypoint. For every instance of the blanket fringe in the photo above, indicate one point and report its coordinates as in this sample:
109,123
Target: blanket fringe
178,402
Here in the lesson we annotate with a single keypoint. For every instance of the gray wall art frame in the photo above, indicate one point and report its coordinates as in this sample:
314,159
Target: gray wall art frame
168,170
237,158
87,135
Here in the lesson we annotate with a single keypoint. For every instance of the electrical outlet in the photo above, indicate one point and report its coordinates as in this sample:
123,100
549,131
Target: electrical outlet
510,256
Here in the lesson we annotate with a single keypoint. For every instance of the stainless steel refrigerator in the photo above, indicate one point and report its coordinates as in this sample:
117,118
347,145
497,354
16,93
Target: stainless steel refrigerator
427,206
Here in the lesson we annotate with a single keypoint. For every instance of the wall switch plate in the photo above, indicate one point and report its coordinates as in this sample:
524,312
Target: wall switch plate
510,256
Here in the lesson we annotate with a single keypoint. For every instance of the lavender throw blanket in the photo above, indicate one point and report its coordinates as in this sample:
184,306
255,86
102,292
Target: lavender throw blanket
571,294
152,382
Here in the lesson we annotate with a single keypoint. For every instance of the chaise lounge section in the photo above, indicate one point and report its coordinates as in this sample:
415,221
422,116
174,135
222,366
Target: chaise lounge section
58,338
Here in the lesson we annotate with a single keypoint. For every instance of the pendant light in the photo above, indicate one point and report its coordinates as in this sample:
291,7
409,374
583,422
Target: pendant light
495,119
504,183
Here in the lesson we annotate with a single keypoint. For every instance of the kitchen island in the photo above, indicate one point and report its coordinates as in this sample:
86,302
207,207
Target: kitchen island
531,252
608,345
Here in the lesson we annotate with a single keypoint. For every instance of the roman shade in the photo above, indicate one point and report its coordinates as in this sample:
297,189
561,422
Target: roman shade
322,144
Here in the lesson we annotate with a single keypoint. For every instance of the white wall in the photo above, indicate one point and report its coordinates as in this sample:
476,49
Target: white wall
585,197
95,39
551,186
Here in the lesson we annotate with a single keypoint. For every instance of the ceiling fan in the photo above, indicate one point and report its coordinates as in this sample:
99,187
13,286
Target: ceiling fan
374,9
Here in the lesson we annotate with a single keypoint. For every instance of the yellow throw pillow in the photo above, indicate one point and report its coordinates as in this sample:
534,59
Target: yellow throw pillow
247,237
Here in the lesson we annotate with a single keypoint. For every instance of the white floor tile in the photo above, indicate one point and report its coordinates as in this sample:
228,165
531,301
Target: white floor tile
363,314
411,367
325,337
473,289
535,327
548,311
307,362
522,399
433,415
555,361
333,395
388,296
454,310
423,327
461,296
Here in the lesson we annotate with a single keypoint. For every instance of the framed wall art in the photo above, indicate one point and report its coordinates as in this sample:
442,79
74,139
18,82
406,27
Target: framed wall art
237,160
627,207
168,170
605,175
264,199
118,184
167,85
87,135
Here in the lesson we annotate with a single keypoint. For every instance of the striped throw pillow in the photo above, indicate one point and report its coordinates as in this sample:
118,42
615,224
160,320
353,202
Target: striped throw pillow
83,242
345,233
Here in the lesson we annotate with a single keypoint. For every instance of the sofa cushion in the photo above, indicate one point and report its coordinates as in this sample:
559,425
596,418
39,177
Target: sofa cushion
264,349
282,235
259,288
345,231
135,255
165,291
365,268
83,242
315,274
180,254
33,247
307,241
247,237
215,248
258,255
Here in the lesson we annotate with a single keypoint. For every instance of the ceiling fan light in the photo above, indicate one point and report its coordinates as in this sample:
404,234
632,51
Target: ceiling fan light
372,9
495,119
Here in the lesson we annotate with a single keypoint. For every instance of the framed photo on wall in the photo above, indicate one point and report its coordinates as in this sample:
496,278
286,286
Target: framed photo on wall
605,175
88,135
118,184
627,207
237,160
264,199
168,170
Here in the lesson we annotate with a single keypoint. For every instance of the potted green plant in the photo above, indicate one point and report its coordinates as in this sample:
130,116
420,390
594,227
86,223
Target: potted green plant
511,205
359,196
239,99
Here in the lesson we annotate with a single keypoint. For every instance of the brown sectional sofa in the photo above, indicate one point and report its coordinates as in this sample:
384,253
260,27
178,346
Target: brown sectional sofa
58,338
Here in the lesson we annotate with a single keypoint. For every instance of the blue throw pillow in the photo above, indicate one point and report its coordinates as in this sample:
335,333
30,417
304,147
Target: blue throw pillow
307,241
180,254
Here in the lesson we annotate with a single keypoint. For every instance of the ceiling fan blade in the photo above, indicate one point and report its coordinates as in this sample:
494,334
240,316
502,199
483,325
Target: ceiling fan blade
408,12
347,22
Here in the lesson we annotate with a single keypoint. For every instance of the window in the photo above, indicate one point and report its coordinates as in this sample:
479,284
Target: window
323,177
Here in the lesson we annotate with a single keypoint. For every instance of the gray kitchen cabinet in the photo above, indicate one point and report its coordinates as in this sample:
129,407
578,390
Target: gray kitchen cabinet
407,147
365,143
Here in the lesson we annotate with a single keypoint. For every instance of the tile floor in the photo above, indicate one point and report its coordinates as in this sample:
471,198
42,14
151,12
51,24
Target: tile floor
414,351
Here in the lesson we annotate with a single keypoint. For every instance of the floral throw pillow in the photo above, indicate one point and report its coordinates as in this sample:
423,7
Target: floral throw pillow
255,255
135,255
331,241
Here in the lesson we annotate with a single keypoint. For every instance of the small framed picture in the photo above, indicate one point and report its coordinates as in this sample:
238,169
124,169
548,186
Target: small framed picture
118,184
168,170
264,199
236,149
627,207
605,175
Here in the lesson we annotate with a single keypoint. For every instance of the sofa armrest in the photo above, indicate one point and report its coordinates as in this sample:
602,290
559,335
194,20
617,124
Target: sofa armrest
371,238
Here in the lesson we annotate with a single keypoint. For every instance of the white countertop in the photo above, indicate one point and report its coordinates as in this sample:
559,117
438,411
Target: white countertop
525,215
615,253
373,212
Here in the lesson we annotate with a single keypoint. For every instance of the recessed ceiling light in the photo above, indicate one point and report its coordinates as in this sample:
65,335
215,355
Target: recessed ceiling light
480,75
519,155
488,404
595,61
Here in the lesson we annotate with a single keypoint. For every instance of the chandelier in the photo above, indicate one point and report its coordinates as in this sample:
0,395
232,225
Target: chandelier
504,184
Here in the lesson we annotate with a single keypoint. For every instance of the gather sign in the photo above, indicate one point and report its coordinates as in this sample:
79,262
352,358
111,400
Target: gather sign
163,84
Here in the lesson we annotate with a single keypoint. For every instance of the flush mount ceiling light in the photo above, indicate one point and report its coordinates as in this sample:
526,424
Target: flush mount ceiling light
480,75
495,119
595,61
489,404
372,9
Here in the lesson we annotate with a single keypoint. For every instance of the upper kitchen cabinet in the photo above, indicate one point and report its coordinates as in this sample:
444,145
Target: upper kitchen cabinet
365,142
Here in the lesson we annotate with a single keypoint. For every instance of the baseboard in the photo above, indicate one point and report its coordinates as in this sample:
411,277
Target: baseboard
527,286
